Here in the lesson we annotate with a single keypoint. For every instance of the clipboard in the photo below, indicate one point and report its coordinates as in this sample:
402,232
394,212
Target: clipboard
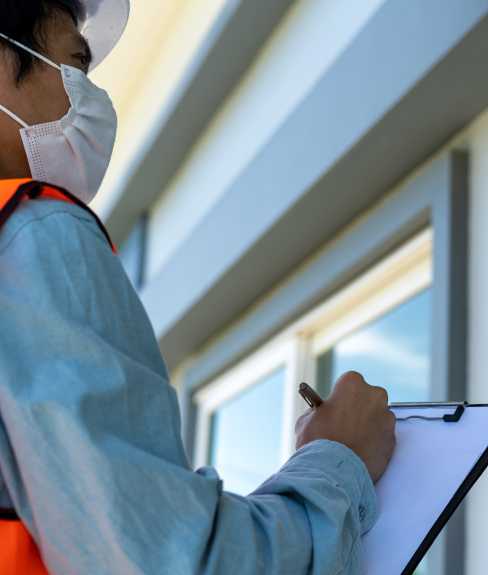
444,448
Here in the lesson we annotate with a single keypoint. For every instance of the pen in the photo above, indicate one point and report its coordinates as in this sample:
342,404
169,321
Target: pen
309,395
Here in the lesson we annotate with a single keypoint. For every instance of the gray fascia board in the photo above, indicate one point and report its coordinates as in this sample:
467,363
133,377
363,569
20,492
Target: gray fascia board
386,97
231,47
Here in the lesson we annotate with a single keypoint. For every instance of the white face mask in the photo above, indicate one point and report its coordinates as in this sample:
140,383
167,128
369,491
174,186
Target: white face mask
73,152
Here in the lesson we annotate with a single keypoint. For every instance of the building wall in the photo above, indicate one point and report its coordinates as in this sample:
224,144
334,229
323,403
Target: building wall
300,50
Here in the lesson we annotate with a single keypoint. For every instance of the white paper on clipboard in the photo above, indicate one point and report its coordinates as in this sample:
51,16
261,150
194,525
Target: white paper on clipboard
431,461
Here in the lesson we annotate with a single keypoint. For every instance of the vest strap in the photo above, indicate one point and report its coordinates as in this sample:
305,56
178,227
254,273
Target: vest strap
34,189
8,515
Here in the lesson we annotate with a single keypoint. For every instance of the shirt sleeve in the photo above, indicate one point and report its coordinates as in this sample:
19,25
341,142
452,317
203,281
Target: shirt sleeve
90,444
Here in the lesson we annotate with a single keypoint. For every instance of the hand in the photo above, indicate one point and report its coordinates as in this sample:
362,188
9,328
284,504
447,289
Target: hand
356,414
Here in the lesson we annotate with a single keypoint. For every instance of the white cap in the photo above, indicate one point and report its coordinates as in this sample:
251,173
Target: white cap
104,24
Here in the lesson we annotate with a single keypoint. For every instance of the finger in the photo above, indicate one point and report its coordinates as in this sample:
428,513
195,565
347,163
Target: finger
351,377
349,382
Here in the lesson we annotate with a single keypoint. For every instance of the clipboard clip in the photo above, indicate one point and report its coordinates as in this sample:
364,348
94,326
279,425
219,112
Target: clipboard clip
447,417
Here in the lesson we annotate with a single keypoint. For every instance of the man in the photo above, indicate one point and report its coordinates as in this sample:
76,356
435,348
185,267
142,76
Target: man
91,456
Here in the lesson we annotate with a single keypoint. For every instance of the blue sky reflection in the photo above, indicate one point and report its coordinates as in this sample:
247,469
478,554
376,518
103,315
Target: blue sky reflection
246,435
393,352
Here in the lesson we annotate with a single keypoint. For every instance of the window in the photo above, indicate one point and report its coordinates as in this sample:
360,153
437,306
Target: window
379,325
244,418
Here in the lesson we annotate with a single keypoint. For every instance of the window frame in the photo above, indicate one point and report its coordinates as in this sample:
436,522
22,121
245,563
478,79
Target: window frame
276,354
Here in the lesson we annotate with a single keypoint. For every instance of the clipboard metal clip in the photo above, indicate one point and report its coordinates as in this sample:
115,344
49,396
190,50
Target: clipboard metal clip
447,417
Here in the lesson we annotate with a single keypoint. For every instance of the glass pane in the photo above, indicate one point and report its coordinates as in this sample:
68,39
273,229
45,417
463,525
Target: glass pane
393,352
422,568
246,435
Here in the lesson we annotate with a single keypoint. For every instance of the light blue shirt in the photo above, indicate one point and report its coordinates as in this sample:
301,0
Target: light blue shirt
91,455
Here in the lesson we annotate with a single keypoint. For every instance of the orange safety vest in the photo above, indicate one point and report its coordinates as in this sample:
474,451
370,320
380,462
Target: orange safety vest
19,554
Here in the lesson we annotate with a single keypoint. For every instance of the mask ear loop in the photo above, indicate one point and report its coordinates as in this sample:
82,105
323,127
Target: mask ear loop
13,116
33,52
37,55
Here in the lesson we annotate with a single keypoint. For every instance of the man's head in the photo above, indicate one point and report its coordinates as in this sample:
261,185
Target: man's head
28,87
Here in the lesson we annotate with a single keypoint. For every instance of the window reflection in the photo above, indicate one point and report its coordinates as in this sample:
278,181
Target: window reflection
393,352
246,435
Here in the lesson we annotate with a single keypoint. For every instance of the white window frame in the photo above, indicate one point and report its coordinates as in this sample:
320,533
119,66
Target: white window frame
278,353
386,285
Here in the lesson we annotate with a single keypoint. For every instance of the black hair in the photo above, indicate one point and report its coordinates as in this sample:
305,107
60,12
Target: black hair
23,20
